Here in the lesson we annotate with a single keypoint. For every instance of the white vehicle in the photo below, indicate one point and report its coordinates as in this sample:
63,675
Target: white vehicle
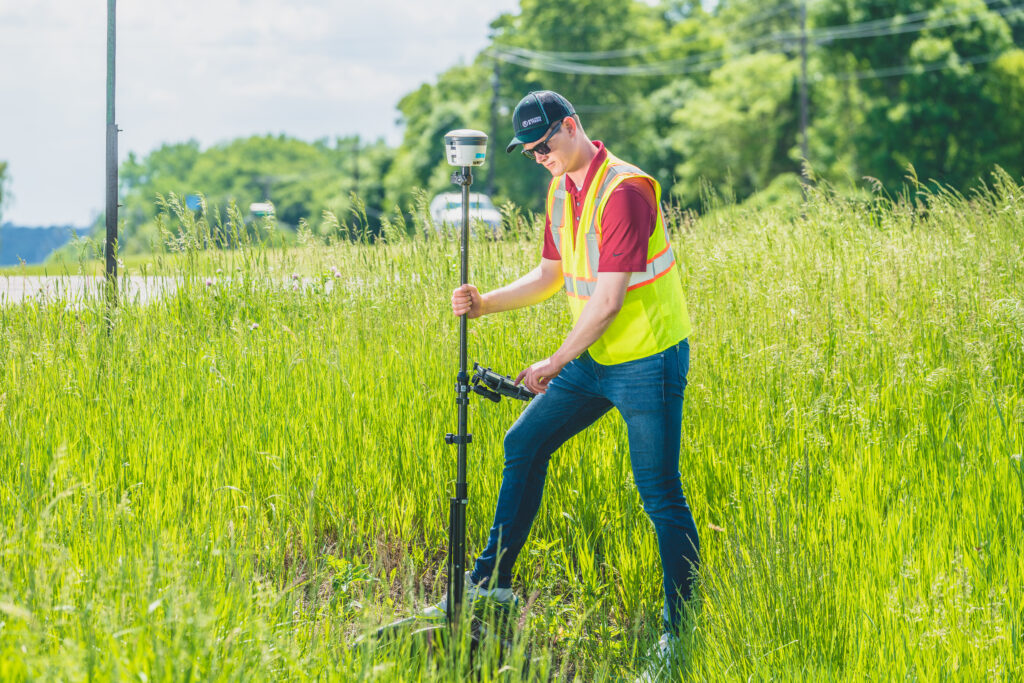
446,212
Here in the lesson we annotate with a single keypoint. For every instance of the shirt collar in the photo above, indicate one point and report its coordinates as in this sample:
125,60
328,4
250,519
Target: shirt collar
595,164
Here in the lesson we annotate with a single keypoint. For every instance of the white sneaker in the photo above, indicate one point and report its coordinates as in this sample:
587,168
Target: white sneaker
659,660
477,598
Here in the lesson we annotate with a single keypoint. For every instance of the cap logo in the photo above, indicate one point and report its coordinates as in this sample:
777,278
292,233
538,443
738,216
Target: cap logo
530,122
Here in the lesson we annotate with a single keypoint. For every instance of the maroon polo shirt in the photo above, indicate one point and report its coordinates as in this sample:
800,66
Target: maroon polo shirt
628,222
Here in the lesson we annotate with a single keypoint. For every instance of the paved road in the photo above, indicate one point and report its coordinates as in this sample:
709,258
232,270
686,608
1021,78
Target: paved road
135,288
77,288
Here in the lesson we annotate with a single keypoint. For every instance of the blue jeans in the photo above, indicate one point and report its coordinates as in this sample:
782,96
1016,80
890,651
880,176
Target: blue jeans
649,394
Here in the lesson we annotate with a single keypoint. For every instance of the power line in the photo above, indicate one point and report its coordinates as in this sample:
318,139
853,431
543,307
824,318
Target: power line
701,61
712,59
597,55
528,57
851,32
922,15
842,76
910,69
560,66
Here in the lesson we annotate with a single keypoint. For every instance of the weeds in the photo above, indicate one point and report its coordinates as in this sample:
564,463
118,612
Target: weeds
243,474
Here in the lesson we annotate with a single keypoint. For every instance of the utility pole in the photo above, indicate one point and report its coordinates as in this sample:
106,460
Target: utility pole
111,214
495,88
803,81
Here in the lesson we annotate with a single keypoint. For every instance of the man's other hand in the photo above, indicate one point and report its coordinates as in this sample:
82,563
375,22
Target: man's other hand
467,300
539,375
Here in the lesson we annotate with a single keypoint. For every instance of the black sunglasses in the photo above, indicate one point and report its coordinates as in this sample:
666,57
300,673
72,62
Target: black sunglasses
542,146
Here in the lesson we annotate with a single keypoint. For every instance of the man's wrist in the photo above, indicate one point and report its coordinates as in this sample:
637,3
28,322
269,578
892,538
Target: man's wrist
559,358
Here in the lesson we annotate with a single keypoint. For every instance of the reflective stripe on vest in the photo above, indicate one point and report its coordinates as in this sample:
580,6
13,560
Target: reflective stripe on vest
657,267
556,210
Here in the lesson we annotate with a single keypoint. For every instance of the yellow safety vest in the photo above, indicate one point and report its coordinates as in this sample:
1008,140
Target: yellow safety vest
653,316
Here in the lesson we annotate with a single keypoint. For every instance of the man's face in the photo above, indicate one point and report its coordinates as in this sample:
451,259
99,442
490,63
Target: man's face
555,143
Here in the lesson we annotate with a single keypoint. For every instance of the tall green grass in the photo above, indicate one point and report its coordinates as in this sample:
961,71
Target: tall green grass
236,481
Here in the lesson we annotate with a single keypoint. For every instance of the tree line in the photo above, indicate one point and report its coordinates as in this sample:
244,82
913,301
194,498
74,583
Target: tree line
746,97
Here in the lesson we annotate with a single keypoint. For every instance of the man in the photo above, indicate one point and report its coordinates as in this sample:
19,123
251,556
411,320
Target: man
606,242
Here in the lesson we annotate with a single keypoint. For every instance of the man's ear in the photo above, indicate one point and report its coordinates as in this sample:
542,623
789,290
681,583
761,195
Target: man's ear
569,123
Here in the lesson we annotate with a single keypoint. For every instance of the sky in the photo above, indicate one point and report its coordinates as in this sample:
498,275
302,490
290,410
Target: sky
209,70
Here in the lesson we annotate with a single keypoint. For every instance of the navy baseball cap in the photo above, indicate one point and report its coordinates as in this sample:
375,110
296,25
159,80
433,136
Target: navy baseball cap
534,115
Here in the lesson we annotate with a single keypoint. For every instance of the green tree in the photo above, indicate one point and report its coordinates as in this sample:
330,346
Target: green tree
1005,89
294,175
598,25
732,131
628,66
611,108
690,40
654,150
161,172
460,99
301,179
924,92
760,22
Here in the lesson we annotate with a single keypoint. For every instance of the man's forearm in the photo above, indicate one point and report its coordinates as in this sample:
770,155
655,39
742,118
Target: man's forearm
597,315
593,321
532,288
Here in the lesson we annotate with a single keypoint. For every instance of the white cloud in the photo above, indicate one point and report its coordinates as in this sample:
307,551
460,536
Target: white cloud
210,70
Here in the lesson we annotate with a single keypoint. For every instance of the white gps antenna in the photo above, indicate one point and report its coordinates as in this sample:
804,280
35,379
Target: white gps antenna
465,147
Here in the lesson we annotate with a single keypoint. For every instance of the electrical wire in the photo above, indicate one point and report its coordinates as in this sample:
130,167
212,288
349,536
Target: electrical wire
701,61
873,28
593,56
711,59
910,69
693,59
847,76
843,33
922,15
586,69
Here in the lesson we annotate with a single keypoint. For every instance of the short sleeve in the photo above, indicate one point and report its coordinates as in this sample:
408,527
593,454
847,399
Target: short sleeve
627,224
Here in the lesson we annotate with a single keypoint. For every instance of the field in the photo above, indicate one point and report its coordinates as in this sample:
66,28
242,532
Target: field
236,481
